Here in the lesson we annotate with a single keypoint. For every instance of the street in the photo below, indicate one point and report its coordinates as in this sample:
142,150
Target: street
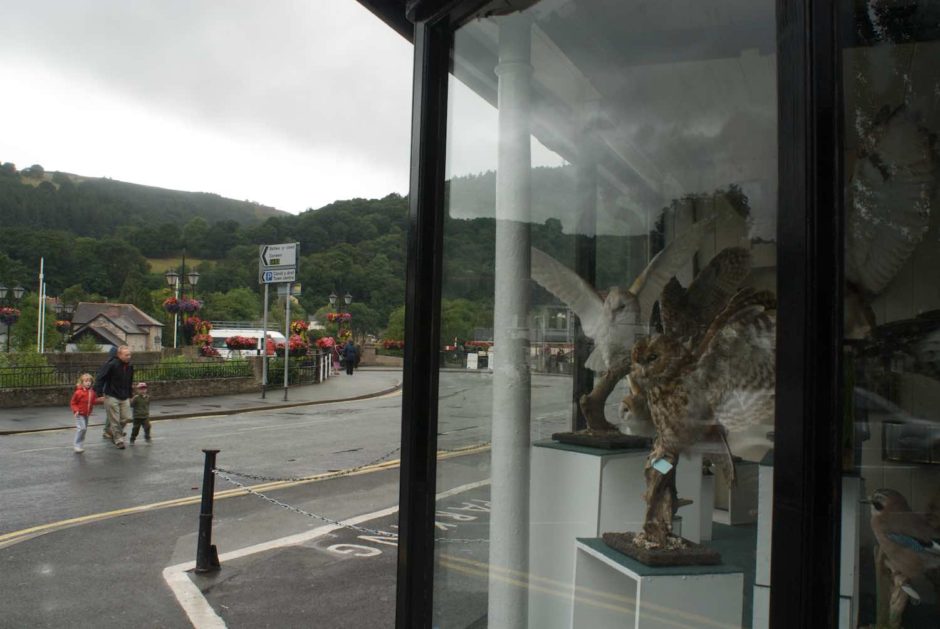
85,540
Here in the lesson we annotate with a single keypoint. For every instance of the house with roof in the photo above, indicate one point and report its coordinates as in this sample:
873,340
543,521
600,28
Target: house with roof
117,324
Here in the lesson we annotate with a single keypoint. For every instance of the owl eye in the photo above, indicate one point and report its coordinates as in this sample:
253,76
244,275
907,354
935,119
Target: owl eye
652,357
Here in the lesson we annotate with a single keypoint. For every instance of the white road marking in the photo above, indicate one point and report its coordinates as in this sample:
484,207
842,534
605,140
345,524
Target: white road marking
197,608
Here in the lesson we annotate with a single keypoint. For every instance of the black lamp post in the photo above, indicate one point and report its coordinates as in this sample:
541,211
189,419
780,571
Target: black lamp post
15,294
173,281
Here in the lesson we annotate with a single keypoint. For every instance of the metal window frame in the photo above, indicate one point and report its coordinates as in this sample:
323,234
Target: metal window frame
807,485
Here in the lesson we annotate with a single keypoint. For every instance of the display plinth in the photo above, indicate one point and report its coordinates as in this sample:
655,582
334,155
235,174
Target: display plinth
852,492
613,441
613,590
575,492
693,484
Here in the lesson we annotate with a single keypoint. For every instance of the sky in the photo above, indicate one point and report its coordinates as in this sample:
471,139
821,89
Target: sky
287,103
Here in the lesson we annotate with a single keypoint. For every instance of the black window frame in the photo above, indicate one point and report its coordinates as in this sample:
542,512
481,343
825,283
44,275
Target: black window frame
807,435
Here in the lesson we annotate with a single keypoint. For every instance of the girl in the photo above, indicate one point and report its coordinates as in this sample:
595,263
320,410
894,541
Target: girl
82,402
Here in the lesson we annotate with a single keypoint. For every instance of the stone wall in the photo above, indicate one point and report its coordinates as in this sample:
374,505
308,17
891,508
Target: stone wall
371,359
60,395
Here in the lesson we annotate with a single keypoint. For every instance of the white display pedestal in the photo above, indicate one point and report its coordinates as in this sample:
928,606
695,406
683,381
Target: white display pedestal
737,505
852,493
575,492
613,590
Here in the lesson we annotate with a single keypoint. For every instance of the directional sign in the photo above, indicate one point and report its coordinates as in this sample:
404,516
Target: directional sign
273,256
277,263
275,276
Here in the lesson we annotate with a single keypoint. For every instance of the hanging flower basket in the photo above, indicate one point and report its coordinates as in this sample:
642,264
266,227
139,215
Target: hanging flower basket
171,305
326,342
62,326
202,339
209,352
344,334
8,315
299,326
296,346
240,342
340,317
189,305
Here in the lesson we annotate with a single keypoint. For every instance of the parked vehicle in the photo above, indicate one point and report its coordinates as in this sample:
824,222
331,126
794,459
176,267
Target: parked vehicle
219,335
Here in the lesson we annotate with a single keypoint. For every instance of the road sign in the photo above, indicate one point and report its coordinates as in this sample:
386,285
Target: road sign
294,290
275,276
273,256
277,263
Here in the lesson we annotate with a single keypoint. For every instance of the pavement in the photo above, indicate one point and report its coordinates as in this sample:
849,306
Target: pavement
365,383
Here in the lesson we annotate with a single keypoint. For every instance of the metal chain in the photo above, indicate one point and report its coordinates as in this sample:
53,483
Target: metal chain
337,474
324,518
329,476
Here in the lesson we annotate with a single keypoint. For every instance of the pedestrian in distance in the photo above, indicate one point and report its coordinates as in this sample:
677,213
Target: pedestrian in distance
140,406
82,404
350,357
115,382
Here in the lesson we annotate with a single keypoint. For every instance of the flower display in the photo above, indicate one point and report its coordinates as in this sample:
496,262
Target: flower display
478,344
8,315
62,326
341,317
393,344
344,334
299,326
326,342
240,342
209,351
183,304
296,346
202,339
194,325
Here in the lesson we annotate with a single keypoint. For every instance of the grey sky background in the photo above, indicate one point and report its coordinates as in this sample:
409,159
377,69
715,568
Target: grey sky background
289,103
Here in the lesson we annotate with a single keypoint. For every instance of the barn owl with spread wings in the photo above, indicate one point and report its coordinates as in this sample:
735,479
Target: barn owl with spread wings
614,321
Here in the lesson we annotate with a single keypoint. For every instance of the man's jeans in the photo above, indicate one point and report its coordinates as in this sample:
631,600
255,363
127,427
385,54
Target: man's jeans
119,413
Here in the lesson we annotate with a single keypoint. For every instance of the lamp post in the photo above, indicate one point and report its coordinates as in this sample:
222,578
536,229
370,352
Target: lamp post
15,294
173,280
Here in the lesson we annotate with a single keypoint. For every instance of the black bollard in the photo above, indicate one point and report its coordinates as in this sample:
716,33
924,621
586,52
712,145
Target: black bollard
207,557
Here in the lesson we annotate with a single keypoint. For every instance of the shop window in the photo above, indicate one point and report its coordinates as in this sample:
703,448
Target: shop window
891,486
611,206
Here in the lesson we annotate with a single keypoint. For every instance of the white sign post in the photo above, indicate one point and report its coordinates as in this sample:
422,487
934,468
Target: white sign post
277,264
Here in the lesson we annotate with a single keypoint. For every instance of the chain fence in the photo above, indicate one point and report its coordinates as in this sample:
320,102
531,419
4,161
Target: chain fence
229,476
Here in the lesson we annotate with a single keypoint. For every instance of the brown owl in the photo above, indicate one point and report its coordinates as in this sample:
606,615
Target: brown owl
695,393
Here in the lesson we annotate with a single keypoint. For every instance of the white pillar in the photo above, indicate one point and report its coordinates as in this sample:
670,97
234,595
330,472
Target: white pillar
509,527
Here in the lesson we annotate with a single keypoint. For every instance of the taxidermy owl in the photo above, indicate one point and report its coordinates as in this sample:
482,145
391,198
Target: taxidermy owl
614,322
686,314
697,392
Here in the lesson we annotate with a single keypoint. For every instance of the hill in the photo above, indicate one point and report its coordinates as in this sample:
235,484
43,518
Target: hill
86,206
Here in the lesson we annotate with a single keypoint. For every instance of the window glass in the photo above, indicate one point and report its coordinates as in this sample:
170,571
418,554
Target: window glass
891,485
608,317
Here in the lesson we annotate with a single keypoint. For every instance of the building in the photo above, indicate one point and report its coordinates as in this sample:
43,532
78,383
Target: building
117,324
803,133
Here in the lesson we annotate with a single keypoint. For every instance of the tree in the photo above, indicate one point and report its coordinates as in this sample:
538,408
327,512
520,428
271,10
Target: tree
238,304
196,235
396,324
23,332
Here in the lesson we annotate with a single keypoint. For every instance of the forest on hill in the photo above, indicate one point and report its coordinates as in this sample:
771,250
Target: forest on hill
97,243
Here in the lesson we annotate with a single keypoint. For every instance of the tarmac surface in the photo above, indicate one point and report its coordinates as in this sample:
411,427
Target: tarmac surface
366,382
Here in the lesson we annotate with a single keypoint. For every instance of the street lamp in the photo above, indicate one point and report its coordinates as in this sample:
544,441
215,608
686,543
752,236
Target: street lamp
173,281
65,311
15,294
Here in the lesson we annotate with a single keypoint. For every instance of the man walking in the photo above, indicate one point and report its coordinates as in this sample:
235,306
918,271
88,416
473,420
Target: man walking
115,383
350,357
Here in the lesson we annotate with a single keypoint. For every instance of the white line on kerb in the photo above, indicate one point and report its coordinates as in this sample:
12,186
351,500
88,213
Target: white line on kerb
197,608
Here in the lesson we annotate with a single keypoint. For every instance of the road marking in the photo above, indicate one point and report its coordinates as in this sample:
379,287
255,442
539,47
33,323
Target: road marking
203,616
15,537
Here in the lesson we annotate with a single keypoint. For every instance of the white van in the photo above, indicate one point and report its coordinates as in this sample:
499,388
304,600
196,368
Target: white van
220,334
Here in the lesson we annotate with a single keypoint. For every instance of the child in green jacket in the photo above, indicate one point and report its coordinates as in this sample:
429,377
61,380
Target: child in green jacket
140,406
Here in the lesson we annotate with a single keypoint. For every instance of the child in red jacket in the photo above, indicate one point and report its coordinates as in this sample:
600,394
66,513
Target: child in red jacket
82,402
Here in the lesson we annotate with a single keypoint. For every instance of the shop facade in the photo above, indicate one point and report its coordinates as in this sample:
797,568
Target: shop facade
738,200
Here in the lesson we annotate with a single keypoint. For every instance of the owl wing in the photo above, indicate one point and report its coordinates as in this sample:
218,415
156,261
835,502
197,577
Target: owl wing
736,366
567,286
649,285
889,205
711,289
